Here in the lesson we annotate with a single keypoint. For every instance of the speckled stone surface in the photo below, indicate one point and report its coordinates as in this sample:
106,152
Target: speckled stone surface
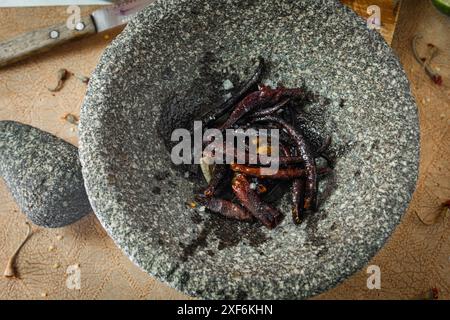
186,50
43,174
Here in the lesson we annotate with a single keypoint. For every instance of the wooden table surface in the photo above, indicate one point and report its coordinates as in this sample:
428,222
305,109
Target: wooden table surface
415,259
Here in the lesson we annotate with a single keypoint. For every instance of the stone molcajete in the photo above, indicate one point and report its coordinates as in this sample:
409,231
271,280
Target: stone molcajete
43,174
182,52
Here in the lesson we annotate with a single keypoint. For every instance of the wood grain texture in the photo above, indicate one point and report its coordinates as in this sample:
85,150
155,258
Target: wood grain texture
415,258
38,41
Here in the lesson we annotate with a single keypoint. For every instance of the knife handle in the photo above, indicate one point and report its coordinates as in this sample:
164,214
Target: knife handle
42,40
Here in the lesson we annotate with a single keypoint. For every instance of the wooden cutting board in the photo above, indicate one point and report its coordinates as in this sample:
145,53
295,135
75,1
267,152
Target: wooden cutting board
415,259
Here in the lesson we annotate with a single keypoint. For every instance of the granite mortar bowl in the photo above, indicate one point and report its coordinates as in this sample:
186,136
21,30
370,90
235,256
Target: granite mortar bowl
180,53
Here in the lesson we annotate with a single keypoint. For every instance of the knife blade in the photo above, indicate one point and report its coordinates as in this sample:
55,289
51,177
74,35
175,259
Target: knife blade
116,15
43,40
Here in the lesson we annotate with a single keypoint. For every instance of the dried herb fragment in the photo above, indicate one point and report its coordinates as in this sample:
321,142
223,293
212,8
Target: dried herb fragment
70,118
62,76
10,271
426,62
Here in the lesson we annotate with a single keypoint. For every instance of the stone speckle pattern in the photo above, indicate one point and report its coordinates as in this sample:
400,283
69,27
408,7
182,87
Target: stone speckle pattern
43,174
161,54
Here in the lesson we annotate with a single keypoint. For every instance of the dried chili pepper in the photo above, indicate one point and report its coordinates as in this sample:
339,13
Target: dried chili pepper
269,216
253,177
213,115
259,98
305,152
219,174
62,76
282,174
271,110
227,209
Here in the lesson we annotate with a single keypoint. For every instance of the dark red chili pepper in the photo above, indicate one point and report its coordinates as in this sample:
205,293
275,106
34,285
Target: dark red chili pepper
297,185
276,187
306,154
271,110
219,174
213,115
227,209
269,216
282,161
257,99
279,174
255,159
286,157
